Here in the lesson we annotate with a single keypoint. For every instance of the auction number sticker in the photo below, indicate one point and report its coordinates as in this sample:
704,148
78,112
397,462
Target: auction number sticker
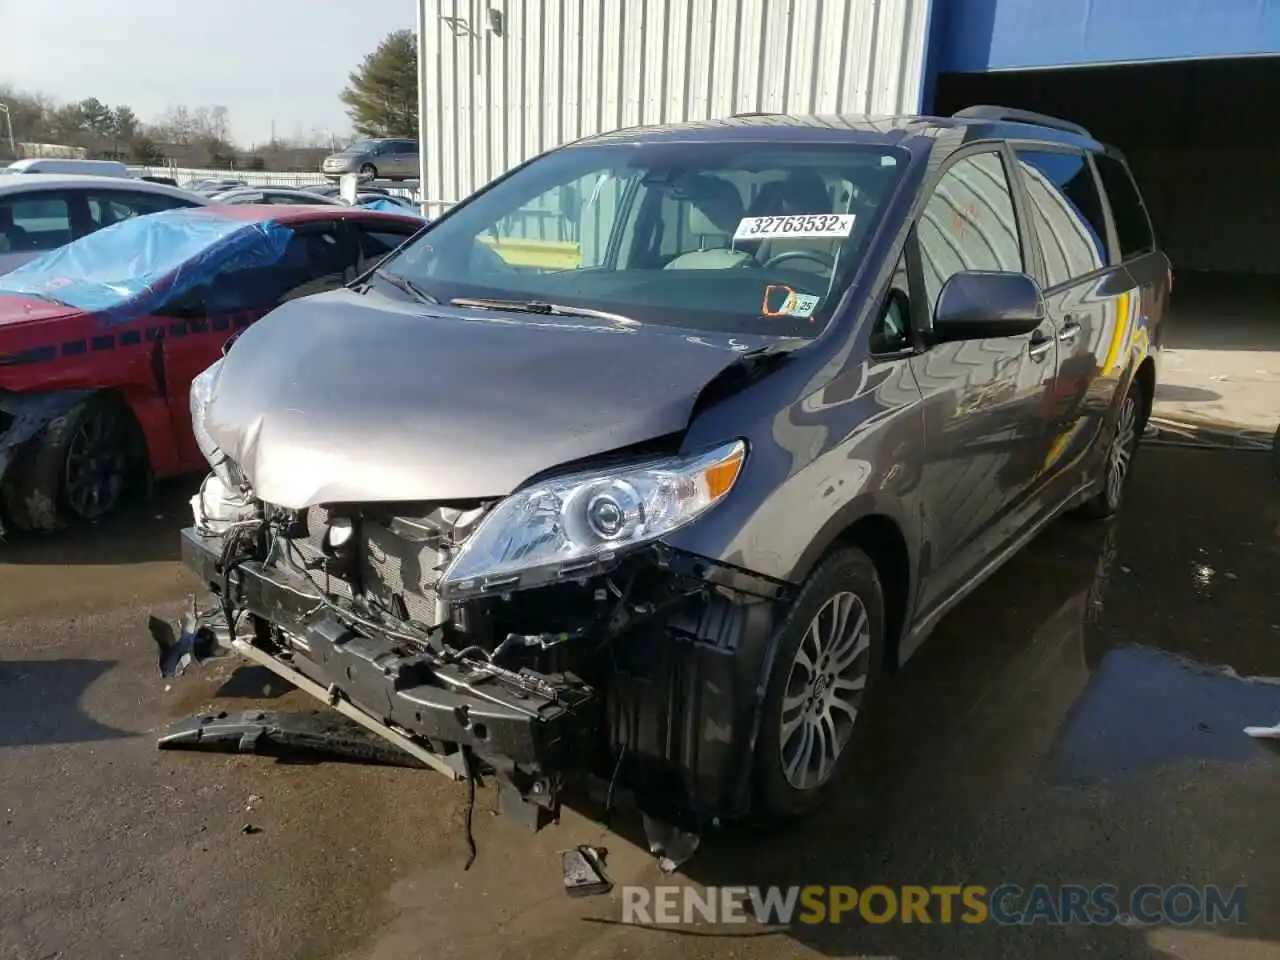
802,225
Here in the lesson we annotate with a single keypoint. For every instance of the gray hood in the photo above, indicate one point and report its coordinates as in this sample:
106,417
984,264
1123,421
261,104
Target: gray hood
346,397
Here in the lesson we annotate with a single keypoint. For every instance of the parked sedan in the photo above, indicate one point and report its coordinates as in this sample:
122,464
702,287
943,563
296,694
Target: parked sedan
643,461
278,195
40,213
331,189
208,187
100,339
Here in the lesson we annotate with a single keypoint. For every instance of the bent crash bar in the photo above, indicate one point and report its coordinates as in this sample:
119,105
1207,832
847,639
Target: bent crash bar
537,722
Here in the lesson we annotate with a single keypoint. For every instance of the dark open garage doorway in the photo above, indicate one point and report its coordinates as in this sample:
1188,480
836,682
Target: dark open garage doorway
1204,146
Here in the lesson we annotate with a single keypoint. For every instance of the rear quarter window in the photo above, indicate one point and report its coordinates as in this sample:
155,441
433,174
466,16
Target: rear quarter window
1133,226
39,222
1068,213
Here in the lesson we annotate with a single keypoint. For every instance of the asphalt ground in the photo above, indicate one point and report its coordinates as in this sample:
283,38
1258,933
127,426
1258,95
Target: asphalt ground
1078,720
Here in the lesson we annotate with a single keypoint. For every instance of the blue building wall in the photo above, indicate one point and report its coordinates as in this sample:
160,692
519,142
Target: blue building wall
980,35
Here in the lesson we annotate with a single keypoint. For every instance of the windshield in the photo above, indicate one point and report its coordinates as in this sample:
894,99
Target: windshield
737,238
361,146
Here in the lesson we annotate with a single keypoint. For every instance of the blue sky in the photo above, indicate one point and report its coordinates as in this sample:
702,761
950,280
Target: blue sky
264,60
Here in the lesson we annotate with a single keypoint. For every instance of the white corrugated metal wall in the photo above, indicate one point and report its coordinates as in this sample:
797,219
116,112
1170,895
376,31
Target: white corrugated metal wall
563,69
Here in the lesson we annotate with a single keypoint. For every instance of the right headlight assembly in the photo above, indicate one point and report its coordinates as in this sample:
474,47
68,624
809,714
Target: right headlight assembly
566,527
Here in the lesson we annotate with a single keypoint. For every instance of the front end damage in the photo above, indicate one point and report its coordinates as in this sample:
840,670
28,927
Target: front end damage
639,670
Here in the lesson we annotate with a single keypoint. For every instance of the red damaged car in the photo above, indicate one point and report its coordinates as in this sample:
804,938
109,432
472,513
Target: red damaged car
100,339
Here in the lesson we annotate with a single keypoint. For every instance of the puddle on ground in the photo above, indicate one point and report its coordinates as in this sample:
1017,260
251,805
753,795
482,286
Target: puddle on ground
1144,708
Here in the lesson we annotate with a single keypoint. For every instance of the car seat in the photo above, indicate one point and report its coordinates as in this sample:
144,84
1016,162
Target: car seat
801,193
715,209
13,238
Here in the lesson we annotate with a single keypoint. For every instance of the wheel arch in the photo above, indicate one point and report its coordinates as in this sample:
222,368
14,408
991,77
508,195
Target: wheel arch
880,529
30,413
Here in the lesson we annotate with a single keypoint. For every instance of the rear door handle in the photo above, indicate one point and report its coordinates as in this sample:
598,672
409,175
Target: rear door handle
1070,330
1040,346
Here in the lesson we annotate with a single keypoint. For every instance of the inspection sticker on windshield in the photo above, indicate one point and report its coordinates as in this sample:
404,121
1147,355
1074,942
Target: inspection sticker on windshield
800,305
803,225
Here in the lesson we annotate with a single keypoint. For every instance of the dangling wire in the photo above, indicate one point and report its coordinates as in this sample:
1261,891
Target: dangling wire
468,761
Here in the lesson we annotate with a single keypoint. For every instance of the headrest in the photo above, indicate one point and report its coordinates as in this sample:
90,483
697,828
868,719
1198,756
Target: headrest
715,206
802,192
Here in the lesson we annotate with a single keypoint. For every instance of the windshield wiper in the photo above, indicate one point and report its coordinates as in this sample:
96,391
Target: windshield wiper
544,308
405,285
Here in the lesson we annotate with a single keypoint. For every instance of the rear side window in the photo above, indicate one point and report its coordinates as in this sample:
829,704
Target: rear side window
1133,227
968,224
316,260
40,222
1068,213
110,207
376,244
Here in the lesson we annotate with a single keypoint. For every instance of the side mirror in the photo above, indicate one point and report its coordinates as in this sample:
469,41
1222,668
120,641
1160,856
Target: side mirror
980,305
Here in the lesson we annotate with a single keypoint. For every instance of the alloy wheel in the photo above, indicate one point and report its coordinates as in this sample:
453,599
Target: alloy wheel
1121,450
96,464
824,690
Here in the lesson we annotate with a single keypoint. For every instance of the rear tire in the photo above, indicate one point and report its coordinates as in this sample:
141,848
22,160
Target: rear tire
78,469
829,651
1130,421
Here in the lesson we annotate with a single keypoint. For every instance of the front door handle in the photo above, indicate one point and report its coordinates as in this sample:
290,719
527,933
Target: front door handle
1069,331
1040,346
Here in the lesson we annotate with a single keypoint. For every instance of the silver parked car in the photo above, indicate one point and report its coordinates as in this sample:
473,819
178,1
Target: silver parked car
46,212
388,159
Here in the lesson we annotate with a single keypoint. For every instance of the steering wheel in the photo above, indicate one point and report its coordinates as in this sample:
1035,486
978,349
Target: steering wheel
786,256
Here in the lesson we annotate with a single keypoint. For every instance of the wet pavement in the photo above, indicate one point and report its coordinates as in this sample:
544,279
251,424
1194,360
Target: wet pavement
1077,720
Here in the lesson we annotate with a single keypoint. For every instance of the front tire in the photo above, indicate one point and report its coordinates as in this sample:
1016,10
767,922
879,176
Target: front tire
76,470
1119,464
369,171
830,648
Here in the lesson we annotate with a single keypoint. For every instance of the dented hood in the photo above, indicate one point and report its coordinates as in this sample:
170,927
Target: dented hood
346,397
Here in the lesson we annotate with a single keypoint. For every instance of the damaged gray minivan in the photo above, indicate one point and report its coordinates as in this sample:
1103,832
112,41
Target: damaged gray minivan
644,461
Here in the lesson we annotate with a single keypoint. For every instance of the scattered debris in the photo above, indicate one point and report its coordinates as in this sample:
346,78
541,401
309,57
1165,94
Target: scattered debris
1202,575
253,798
672,845
1263,733
584,874
249,829
196,644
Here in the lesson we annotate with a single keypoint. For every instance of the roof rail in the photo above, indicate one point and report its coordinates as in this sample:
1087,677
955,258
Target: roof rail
1013,115
755,113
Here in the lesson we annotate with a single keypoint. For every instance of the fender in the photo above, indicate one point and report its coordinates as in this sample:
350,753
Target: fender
866,505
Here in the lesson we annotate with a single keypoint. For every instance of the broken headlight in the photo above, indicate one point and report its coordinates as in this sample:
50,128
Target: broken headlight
201,393
568,526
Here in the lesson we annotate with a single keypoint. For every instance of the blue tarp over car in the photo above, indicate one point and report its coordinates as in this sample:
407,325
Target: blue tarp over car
130,269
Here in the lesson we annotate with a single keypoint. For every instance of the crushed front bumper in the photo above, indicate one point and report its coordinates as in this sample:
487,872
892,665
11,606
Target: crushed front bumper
537,728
